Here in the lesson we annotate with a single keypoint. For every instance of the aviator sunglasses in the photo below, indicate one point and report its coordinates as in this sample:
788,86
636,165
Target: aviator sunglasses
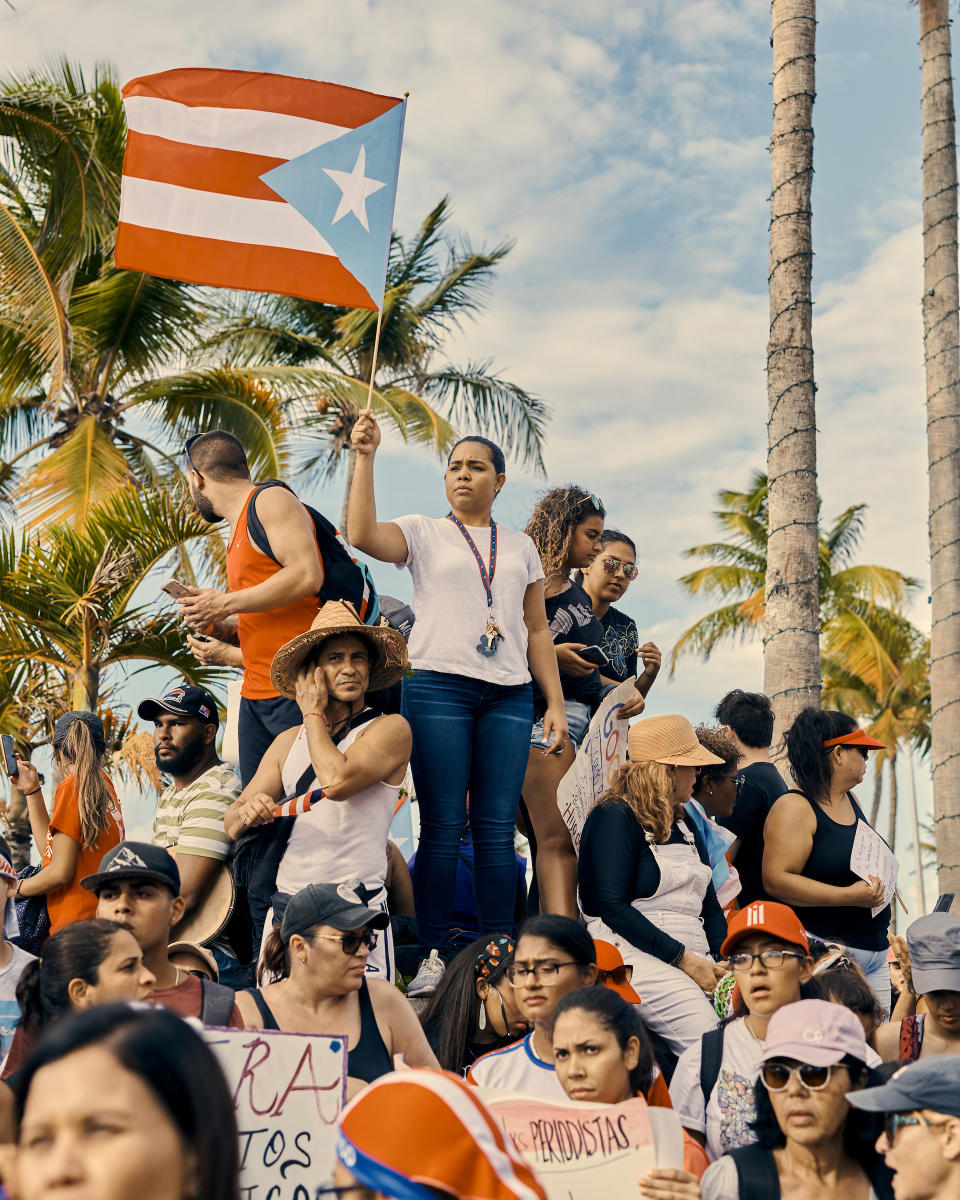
619,975
612,565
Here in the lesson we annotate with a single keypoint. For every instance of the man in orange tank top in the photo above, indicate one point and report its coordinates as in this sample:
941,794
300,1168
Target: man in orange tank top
268,602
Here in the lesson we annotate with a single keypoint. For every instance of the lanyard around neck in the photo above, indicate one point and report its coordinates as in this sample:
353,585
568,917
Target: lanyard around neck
486,574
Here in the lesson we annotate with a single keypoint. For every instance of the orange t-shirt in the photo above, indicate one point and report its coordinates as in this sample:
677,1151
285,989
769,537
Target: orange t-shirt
262,633
72,902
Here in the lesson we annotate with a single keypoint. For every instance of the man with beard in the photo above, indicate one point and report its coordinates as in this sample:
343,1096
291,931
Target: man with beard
189,820
272,597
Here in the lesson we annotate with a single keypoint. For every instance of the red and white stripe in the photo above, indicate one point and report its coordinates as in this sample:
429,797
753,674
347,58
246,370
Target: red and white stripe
296,806
193,205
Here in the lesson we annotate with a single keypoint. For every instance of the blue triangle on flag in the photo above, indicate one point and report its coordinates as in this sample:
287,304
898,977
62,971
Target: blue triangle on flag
346,189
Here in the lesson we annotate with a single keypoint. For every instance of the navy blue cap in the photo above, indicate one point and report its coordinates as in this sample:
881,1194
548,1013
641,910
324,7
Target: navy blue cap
91,720
932,1083
186,701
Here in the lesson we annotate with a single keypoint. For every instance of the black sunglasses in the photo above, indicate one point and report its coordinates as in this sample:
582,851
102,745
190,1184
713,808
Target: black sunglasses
186,452
620,975
351,942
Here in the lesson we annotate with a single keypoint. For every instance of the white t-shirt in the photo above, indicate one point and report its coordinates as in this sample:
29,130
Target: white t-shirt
726,1121
9,1008
732,1106
517,1068
451,604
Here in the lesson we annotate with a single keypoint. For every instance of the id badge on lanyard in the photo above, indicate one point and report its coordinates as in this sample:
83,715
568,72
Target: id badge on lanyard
492,635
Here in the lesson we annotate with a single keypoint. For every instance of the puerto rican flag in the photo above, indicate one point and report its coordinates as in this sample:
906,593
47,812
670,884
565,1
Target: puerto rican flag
297,806
262,182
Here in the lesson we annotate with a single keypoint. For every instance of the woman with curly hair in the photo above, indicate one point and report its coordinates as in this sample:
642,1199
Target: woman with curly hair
646,883
566,528
714,798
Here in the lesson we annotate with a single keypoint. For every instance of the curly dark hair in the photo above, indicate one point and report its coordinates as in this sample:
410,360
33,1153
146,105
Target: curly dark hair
553,521
719,744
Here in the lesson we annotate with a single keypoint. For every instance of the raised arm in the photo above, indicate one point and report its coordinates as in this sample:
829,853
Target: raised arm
380,539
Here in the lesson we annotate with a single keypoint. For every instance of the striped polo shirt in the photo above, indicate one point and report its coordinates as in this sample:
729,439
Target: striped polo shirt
190,821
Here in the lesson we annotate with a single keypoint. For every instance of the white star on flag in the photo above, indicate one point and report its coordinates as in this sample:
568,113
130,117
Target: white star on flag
355,188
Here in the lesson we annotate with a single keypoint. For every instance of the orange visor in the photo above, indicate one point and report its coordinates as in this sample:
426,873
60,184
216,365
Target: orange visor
857,738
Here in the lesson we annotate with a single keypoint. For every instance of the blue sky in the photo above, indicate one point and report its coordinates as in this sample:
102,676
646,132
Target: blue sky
623,145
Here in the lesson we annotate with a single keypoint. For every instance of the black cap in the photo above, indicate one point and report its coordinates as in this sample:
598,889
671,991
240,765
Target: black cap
135,860
91,720
186,701
340,905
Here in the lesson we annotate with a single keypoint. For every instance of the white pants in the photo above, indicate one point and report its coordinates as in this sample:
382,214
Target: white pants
673,1006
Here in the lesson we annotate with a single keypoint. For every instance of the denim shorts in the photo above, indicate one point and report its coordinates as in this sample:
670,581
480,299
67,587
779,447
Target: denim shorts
578,722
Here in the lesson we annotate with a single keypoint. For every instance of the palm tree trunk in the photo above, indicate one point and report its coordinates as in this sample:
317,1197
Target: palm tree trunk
917,855
892,839
791,656
18,828
85,687
877,792
941,338
348,484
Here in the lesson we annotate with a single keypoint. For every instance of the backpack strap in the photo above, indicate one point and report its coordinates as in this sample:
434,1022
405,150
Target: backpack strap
711,1056
756,1173
216,1005
255,529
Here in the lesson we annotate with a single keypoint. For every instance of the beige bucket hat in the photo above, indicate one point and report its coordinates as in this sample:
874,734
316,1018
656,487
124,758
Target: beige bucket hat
670,740
388,650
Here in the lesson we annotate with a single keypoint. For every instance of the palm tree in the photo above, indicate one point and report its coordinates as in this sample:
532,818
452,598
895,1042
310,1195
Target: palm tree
791,660
69,606
737,571
102,371
941,339
433,284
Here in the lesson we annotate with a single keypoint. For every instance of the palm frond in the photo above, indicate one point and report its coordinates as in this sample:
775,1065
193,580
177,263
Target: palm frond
74,478
729,623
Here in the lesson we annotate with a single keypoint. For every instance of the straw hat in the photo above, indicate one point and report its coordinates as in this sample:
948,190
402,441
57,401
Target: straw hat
388,650
671,740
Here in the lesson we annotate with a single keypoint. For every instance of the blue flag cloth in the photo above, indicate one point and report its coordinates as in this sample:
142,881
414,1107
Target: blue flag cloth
346,189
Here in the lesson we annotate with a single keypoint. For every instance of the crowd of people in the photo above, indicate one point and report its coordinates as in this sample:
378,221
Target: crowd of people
707,952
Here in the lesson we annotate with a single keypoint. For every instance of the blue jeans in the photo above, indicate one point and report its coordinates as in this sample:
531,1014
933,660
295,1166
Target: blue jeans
873,963
469,737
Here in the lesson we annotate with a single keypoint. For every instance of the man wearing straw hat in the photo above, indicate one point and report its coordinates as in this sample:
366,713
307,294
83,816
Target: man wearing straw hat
344,761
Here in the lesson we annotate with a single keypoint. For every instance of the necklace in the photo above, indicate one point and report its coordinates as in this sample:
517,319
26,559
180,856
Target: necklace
746,1025
493,634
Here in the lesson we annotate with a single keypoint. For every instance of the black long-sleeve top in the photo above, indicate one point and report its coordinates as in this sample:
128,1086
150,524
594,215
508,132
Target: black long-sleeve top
617,866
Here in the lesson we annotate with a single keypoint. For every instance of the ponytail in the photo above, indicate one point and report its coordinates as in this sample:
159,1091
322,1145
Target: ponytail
274,960
92,791
809,758
75,952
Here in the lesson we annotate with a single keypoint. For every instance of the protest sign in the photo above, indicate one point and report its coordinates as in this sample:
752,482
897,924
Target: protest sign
288,1091
582,1151
872,856
603,752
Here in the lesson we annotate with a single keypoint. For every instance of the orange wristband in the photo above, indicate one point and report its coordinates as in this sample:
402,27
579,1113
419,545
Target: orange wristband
320,715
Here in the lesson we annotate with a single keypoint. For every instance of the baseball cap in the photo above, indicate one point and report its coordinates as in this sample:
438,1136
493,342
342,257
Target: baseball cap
419,1133
932,1083
817,1032
934,945
609,958
186,701
336,904
135,860
765,916
91,720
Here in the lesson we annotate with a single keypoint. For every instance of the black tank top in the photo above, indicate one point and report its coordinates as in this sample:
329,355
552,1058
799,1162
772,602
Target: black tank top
829,862
369,1059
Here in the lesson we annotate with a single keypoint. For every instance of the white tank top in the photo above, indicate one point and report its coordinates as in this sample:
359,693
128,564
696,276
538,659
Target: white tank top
336,840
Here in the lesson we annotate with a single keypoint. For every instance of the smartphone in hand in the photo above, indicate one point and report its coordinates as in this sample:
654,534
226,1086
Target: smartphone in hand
9,755
174,588
593,655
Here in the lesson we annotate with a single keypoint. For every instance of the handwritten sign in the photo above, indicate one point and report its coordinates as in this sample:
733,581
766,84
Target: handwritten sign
872,856
603,752
582,1151
288,1090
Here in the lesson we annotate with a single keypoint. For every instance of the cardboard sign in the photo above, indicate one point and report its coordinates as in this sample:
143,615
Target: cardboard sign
603,752
579,1151
288,1091
872,856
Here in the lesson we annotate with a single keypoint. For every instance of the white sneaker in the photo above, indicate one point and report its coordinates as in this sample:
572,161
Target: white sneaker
428,975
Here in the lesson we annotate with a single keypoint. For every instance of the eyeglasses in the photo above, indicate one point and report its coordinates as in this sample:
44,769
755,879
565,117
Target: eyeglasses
619,975
544,973
893,1121
613,565
186,451
776,1075
737,780
772,958
351,942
